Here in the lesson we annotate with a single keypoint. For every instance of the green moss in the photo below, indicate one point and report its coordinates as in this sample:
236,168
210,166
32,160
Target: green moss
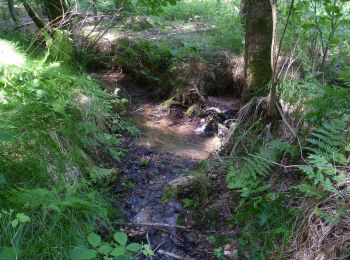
193,110
168,103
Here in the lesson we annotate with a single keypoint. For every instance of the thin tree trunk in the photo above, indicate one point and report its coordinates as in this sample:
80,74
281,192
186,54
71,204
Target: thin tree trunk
34,16
275,53
274,59
94,10
11,7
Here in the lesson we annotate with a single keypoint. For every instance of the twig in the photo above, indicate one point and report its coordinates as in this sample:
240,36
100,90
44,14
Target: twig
341,257
297,166
286,122
149,243
153,225
281,40
171,255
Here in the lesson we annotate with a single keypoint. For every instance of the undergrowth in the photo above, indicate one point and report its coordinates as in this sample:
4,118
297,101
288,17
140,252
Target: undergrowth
280,180
55,127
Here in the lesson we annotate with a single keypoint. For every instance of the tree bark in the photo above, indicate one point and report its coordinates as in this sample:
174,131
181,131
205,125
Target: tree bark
258,39
56,9
11,7
274,59
34,16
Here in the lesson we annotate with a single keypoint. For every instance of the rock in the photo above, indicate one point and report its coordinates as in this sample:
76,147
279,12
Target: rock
211,127
230,252
182,185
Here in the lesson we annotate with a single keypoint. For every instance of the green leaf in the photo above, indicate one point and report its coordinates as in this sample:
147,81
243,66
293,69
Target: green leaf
6,136
94,240
118,251
147,251
23,218
14,223
121,238
77,252
105,249
308,26
134,247
89,254
334,41
8,253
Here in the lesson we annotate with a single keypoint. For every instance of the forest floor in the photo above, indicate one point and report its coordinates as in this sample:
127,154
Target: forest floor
169,150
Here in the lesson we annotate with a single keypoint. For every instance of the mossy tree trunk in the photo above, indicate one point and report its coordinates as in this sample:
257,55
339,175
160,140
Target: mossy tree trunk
11,6
258,39
56,10
34,16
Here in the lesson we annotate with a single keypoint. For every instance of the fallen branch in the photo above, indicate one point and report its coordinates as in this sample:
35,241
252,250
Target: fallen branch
153,225
171,255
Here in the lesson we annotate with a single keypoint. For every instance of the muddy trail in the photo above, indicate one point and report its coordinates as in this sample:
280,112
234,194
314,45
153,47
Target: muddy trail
169,149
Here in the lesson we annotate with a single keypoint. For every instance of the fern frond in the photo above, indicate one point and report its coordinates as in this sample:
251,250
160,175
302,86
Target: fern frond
248,176
326,147
328,140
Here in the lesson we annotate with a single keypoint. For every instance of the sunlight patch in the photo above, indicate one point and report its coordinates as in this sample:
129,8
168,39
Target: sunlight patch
9,55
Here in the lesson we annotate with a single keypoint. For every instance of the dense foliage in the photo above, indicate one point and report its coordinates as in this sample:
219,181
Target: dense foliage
287,180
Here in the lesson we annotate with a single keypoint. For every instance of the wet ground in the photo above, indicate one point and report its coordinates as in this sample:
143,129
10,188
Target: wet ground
170,147
167,133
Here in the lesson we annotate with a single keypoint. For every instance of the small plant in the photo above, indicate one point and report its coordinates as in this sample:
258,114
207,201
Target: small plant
99,174
219,253
188,203
144,162
119,247
248,175
169,194
129,185
326,147
11,227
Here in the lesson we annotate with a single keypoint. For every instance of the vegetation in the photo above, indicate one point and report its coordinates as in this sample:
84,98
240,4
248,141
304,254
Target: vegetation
280,179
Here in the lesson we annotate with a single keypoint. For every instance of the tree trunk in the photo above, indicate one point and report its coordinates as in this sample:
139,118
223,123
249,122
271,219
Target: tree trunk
95,11
34,16
258,38
56,9
271,110
11,7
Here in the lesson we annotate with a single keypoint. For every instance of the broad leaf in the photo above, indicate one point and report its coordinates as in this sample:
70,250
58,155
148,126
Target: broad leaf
134,247
121,238
94,240
118,251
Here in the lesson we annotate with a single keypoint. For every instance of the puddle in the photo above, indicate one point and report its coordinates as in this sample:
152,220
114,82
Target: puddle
162,134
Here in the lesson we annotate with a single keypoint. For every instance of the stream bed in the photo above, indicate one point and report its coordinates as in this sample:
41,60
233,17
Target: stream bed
170,147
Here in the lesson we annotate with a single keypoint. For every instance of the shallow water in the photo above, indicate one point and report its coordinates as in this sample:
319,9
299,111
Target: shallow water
172,147
163,134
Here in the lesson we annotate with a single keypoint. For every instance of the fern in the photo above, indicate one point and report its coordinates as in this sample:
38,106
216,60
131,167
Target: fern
98,174
248,177
326,146
328,140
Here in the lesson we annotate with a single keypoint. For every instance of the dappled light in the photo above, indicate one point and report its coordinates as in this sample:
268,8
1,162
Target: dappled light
174,129
9,54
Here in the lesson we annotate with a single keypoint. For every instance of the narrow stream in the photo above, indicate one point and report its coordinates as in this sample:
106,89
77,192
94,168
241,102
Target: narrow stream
169,148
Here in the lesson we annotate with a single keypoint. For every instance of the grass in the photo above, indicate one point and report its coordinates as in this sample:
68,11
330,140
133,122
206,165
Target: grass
54,128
